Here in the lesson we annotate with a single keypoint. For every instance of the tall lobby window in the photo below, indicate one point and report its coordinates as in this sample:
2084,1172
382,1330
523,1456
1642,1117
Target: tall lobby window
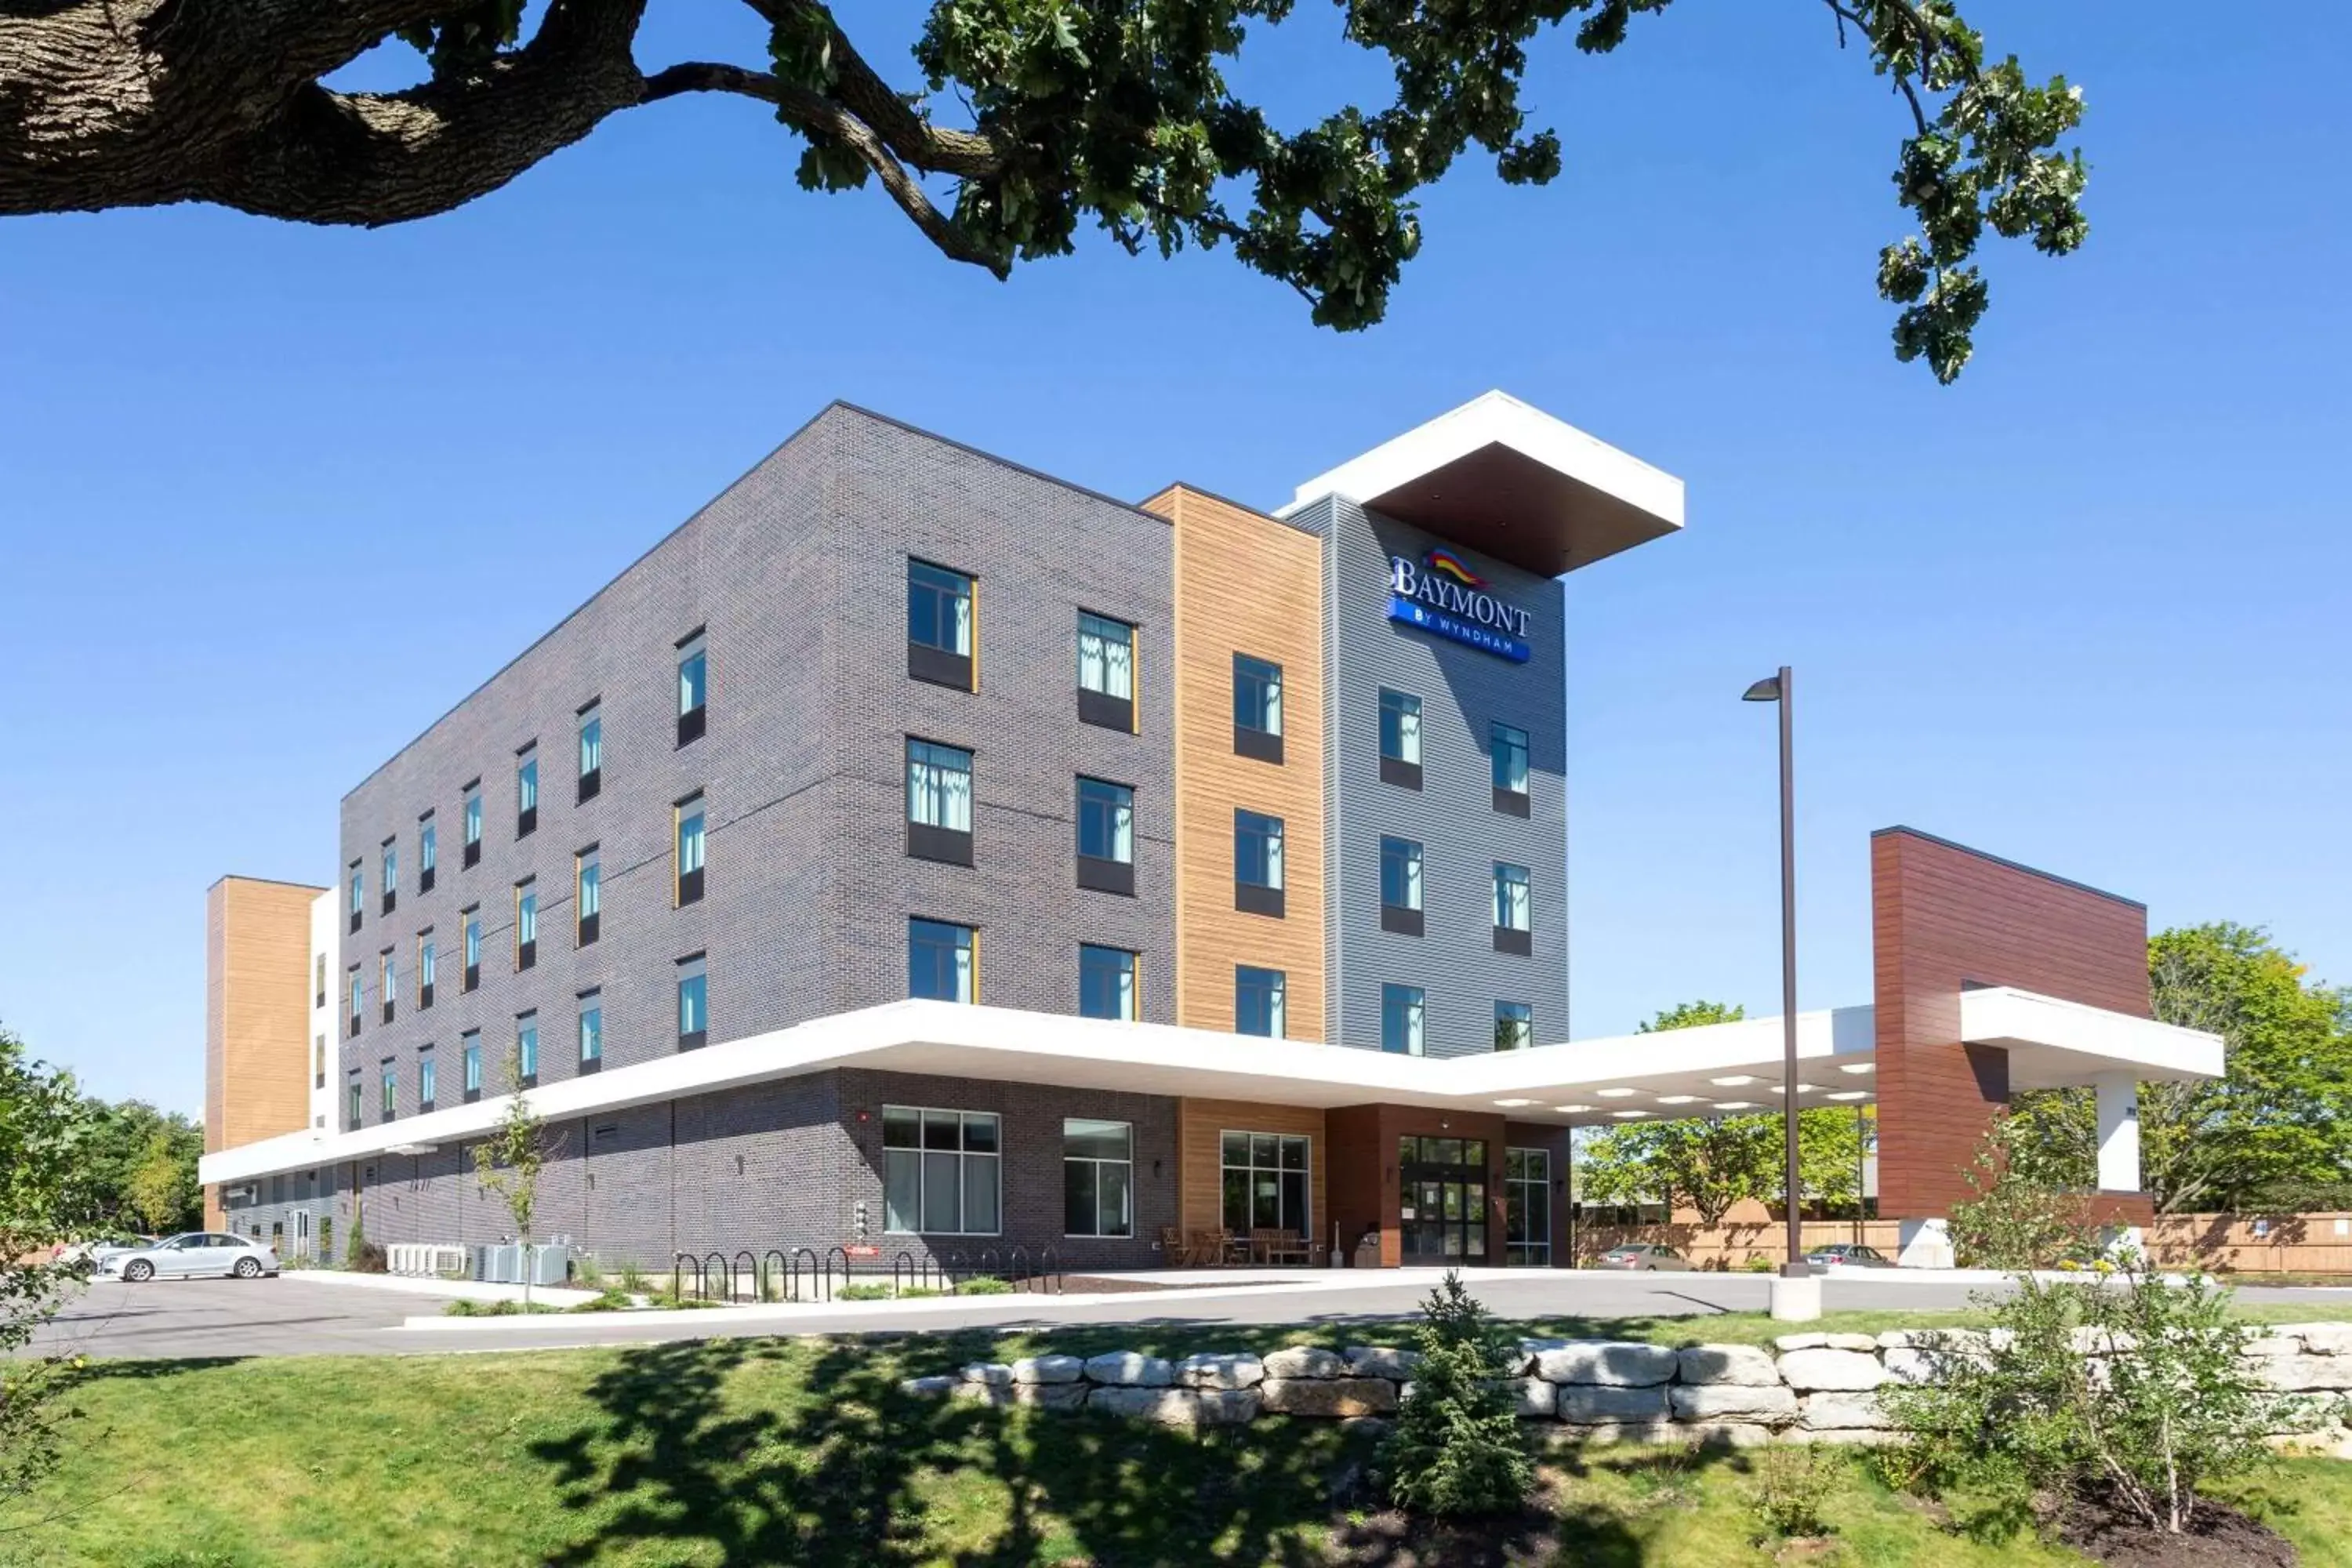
525,1056
320,960
1509,750
526,791
318,1062
1400,886
1107,983
1400,739
354,1101
587,895
473,816
427,962
1263,1180
939,624
686,851
591,1030
1258,998
1097,1177
1514,1026
388,1081
1106,671
526,950
693,690
428,1080
358,877
1511,928
1526,1207
429,852
940,961
388,873
940,1172
693,1003
939,801
1400,1019
1257,709
387,981
1106,836
469,925
1257,863
357,999
469,1055
592,753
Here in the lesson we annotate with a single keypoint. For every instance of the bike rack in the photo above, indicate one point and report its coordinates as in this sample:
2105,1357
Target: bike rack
750,1275
721,1271
678,1263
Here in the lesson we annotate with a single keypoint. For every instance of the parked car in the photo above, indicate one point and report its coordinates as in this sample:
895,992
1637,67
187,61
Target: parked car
99,1248
1645,1256
1848,1255
190,1254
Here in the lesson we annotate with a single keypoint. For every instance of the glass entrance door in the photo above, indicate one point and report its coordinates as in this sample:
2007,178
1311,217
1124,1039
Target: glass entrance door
1443,1199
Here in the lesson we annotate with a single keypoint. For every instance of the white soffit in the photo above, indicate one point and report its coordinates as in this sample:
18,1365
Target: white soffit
2055,1045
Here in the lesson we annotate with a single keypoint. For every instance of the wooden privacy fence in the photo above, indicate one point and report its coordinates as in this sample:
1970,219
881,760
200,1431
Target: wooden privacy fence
2222,1243
1732,1244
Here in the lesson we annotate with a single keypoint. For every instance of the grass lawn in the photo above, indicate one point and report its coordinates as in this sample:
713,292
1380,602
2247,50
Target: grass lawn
732,1453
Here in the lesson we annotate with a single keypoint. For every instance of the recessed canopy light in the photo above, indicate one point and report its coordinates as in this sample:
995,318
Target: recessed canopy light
1677,1099
1574,1110
1736,1080
1735,1105
1614,1093
1805,1088
1849,1094
1628,1114
1513,1104
1858,1067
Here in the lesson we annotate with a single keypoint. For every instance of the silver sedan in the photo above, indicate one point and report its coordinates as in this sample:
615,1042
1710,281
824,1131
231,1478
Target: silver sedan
193,1253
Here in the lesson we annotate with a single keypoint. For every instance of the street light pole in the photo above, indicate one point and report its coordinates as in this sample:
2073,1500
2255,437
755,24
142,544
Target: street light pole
1780,690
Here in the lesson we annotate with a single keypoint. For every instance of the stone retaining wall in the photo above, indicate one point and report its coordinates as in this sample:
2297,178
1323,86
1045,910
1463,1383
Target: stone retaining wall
1809,1387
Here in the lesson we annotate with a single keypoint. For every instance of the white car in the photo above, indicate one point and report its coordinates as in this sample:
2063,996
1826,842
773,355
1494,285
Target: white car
190,1254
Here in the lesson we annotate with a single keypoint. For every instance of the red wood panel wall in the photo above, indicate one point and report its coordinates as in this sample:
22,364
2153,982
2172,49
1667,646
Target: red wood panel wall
1943,917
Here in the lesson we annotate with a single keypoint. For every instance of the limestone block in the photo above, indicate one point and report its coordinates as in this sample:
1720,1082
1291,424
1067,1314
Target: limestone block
930,1387
994,1372
2324,1339
1048,1368
1617,1362
1841,1413
1126,1369
1226,1371
1732,1401
1809,1370
1050,1396
1327,1398
1144,1401
1744,1365
1593,1403
1533,1397
1788,1342
2308,1373
1304,1361
1381,1361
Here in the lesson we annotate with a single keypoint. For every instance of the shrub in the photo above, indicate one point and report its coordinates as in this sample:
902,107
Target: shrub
1456,1448
611,1298
867,1292
587,1273
632,1280
984,1284
2014,1222
1790,1484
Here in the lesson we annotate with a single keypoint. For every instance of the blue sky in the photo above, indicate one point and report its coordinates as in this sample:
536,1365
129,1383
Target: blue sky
272,497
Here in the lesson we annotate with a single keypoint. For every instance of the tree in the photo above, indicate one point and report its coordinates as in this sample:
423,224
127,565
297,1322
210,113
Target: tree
1693,1015
1456,1447
1110,113
509,1161
163,1190
122,1138
43,1129
2280,1118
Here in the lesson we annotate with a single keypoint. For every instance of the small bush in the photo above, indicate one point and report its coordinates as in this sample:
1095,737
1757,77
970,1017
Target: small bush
587,1274
632,1280
2014,1222
464,1309
867,1292
986,1285
1792,1483
1758,1265
1456,1448
611,1298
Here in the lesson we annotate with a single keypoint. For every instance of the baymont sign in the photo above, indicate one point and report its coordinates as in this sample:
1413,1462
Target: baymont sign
1439,593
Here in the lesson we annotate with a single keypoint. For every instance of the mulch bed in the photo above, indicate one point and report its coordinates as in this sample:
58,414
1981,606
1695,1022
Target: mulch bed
1393,1539
2217,1537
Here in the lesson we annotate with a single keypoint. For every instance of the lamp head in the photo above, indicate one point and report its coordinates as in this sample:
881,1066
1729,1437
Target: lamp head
1765,690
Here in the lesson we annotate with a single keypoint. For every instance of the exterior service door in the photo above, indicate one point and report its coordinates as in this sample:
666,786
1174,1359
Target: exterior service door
302,1235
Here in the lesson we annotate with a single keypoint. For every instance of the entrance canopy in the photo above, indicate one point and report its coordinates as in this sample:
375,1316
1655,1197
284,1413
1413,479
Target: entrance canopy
1719,1069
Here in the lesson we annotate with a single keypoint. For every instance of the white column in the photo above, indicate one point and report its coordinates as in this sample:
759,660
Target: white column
2118,1133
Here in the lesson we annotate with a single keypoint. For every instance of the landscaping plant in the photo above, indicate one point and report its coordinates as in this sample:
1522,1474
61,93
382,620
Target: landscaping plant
1789,1489
2017,1220
43,1126
509,1163
1456,1448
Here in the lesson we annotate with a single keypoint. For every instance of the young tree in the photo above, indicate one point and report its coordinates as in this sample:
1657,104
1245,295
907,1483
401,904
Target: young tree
1037,119
509,1163
163,1190
43,1129
1456,1448
1696,1163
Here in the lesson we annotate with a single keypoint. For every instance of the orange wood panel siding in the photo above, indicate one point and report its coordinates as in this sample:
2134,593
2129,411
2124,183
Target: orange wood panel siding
1245,583
256,1010
1943,917
1200,1125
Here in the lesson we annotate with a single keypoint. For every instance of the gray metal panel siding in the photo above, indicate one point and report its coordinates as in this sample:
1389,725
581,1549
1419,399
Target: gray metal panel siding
1462,690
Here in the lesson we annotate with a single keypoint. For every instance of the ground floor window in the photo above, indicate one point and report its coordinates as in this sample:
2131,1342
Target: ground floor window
1526,1206
1097,1177
940,1171
1266,1182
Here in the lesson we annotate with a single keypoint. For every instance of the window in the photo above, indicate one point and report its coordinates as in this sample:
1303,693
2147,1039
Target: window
526,947
470,1055
388,873
1264,1181
1258,1001
429,852
687,851
1257,863
359,892
591,1030
1400,886
693,690
1106,671
1400,739
1097,1177
693,1003
1105,982
939,803
941,961
354,987
469,925
525,790
387,981
473,815
318,1061
1526,1206
592,753
525,1056
320,963
1106,836
356,1102
939,624
1400,1016
1514,1026
427,1080
427,963
1509,750
940,1172
587,895
1257,709
1511,932
388,1077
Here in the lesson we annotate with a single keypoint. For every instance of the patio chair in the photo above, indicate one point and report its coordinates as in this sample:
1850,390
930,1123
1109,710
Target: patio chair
1174,1251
